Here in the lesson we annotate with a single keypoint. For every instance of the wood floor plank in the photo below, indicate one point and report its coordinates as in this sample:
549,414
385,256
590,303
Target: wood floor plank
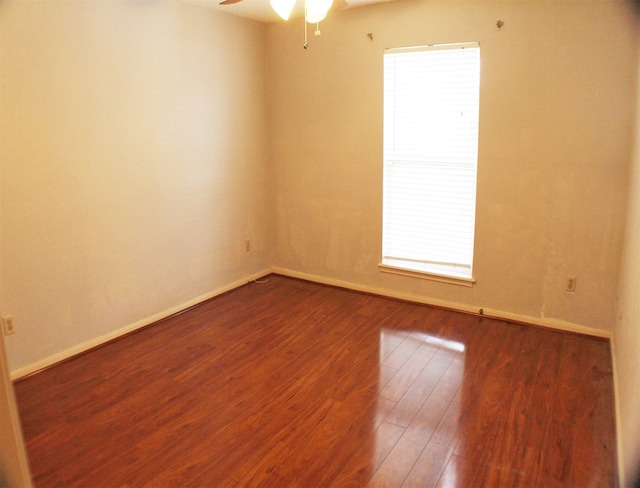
428,469
367,458
293,384
409,405
406,452
290,398
398,385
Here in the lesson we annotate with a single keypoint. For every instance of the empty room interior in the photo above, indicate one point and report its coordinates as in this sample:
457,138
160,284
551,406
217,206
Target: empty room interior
191,250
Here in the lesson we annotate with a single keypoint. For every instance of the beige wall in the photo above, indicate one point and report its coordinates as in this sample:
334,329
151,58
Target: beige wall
555,140
626,336
133,164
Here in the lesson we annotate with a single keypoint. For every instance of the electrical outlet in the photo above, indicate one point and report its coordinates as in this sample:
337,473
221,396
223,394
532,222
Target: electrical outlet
247,245
8,326
571,284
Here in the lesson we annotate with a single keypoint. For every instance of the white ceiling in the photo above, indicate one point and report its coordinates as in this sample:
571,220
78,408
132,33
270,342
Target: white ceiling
260,10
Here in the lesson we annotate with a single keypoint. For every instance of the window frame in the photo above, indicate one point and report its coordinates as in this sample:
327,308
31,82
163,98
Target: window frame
440,272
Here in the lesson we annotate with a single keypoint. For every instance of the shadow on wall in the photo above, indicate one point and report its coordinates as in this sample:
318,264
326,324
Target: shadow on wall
636,6
4,482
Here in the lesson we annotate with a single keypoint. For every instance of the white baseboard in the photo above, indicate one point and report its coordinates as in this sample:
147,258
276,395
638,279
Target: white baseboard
616,400
497,314
549,323
80,348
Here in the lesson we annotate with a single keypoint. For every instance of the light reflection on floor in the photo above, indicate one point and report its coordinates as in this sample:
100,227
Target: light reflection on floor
418,407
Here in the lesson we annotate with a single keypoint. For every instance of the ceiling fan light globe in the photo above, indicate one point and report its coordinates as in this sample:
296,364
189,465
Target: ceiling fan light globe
316,10
283,7
315,17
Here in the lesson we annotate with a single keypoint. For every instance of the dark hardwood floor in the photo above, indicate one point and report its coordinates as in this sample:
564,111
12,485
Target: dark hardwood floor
290,383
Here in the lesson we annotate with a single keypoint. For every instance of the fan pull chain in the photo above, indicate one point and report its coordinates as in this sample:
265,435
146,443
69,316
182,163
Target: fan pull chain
306,45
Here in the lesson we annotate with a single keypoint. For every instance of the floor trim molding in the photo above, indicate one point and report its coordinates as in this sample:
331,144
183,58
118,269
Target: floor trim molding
616,404
555,324
50,361
548,323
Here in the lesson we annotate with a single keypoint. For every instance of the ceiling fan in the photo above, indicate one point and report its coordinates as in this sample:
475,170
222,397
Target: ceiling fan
315,10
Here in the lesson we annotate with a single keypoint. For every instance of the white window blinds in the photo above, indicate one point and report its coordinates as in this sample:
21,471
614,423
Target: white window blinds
431,111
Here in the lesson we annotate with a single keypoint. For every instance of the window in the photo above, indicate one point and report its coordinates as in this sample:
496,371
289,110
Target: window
431,111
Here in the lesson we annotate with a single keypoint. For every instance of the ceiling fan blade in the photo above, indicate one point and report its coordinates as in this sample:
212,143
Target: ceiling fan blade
229,2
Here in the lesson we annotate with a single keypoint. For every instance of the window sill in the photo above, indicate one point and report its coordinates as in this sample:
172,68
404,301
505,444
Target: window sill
425,275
